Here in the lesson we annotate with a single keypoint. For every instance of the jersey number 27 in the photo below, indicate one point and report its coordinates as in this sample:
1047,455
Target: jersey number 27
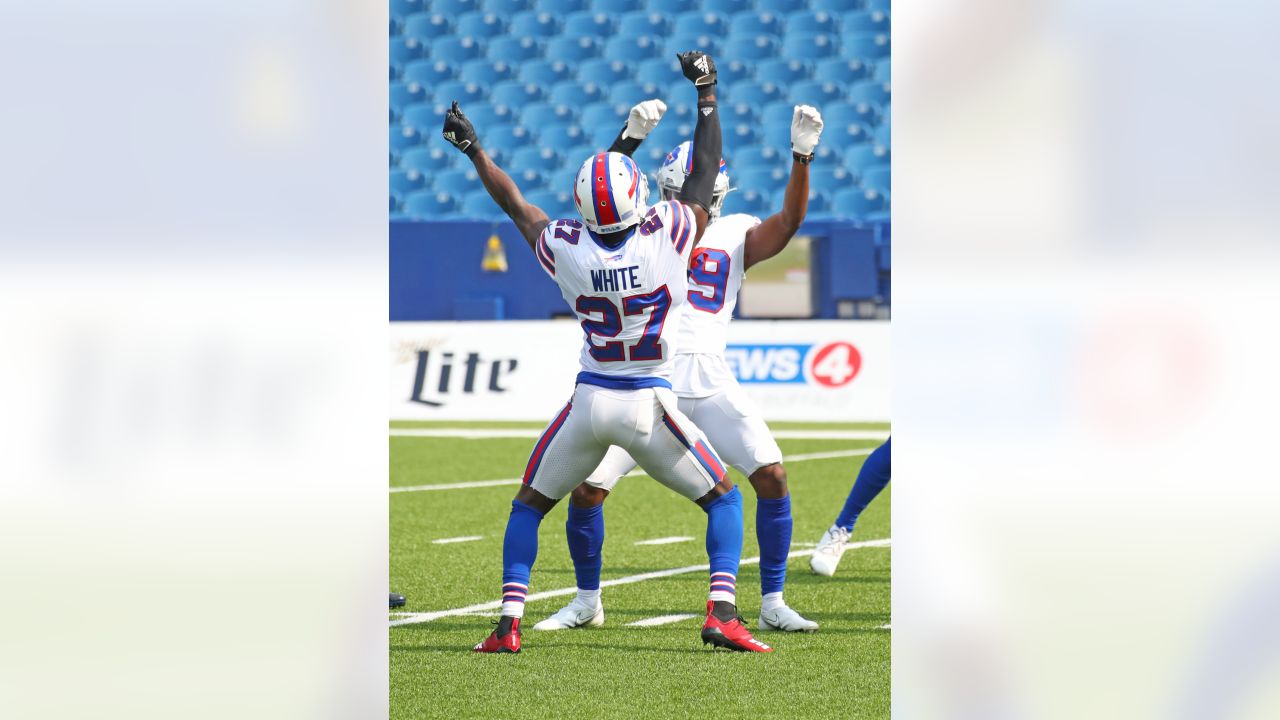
648,347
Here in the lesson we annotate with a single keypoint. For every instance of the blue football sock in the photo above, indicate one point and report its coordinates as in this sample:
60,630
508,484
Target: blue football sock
724,544
585,530
872,478
773,533
519,550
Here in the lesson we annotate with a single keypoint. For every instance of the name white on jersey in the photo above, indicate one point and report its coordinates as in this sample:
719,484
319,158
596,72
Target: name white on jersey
715,278
630,299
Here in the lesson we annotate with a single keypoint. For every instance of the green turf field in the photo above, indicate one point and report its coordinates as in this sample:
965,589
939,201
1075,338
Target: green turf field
617,671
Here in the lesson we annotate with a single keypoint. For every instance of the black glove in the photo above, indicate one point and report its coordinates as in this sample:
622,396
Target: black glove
459,132
699,68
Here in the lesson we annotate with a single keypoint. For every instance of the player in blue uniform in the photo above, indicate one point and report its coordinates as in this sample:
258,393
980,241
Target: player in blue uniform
872,478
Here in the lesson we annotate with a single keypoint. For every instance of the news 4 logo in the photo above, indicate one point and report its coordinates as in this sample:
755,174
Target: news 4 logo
830,365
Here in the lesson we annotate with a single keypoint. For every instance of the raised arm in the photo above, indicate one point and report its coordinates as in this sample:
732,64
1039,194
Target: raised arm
641,121
771,236
529,219
700,183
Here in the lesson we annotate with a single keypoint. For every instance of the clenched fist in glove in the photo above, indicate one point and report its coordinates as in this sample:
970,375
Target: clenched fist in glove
458,131
643,119
806,128
699,68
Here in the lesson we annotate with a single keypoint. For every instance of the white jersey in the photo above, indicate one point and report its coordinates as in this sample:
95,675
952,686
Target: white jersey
715,277
631,298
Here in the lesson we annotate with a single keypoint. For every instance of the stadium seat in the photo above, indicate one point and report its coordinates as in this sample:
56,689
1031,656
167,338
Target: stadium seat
630,92
404,50
427,73
454,8
882,133
460,182
669,135
734,113
529,179
402,138
603,72
506,8
424,117
650,157
394,206
849,134
865,156
811,22
403,182
754,47
682,112
533,24
455,50
661,71
775,119
514,50
870,91
819,202
864,21
402,94
555,204
602,115
841,70
429,204
681,42
479,206
515,93
828,154
758,94
485,72
877,178
883,71
425,27
426,160
642,23
464,92
856,202
544,72
836,6
617,7
815,93
561,137
573,94
732,70
542,158
881,5
757,156
589,24
506,138
561,7
667,7
699,22
740,135
750,24
830,179
402,9
479,24
864,45
749,202
726,7
485,116
582,48
631,50
545,113
808,47
782,72
842,113
762,179
780,6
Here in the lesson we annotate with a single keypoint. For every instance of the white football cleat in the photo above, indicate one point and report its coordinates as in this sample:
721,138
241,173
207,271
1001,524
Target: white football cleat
575,614
826,557
786,620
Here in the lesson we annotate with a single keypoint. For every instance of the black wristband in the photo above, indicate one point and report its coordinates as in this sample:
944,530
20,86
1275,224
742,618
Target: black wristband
705,90
472,149
802,159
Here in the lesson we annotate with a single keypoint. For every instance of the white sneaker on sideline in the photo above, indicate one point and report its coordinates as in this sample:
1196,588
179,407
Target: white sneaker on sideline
826,557
575,614
786,620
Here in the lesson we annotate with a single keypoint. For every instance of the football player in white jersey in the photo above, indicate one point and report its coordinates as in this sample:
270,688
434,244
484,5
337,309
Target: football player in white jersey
708,391
623,268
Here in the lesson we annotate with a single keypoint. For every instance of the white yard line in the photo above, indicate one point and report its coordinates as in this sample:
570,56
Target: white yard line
664,540
414,618
634,473
489,433
660,620
465,538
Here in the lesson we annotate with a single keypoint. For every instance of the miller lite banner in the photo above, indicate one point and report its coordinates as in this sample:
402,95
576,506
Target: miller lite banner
814,370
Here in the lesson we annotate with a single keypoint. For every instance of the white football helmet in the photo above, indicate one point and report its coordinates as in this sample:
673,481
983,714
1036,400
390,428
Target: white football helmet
677,166
611,193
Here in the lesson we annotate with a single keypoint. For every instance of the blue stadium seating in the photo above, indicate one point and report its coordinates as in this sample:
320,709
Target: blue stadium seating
650,157
882,133
534,24
505,8
617,7
830,179
808,47
535,158
732,70
425,27
561,7
630,92
539,114
806,22
740,135
505,138
667,7
485,116
403,138
869,91
758,94
866,156
864,45
668,135
424,117
836,6
818,94
426,159
751,24
681,42
881,5
751,47
485,72
404,8
456,181
699,22
544,72
661,71
780,6
455,49
755,156
883,72
603,72
514,50
402,94
840,70
856,202
632,49
554,204
760,178
589,24
427,72
463,92
454,8
608,115
479,24
864,21
581,48
429,204
515,93
403,182
877,178
751,202
481,207
642,23
561,137
569,92
734,113
404,50
782,72
726,7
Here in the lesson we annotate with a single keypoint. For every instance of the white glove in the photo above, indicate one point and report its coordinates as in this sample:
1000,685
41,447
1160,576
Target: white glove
643,119
806,128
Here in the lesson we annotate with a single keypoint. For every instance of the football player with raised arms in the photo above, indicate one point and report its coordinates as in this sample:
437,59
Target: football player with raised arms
708,392
623,268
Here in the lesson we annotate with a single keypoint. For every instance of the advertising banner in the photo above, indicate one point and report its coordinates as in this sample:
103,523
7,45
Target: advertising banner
820,370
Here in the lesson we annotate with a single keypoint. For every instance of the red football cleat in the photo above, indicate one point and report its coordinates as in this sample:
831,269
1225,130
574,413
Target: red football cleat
732,634
495,643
